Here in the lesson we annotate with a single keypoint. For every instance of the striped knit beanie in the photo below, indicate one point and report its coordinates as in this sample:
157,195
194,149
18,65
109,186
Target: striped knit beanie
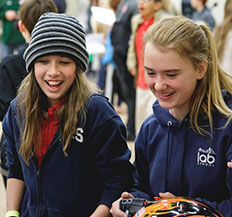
57,34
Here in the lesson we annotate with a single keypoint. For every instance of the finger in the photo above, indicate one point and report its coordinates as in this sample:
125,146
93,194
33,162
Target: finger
115,210
126,195
229,164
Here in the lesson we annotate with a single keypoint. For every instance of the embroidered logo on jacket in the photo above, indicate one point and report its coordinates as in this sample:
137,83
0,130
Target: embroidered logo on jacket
206,157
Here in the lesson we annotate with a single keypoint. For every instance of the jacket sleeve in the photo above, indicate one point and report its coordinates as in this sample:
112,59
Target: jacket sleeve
7,90
10,133
112,156
141,176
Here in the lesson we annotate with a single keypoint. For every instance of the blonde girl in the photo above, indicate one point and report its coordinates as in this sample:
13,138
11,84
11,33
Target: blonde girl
183,148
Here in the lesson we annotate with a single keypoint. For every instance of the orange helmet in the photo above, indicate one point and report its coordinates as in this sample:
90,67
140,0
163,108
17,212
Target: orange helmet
173,207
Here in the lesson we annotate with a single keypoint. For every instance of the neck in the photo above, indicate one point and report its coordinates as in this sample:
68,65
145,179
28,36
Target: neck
178,115
200,8
27,36
148,17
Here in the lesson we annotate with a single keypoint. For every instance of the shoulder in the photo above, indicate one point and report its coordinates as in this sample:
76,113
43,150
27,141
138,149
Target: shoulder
13,61
206,13
227,98
11,113
132,5
99,112
136,17
161,14
151,122
96,101
99,105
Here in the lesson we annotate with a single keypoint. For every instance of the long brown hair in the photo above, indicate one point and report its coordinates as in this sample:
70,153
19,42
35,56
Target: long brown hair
195,42
31,101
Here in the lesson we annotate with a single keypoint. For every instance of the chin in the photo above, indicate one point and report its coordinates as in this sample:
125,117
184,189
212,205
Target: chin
165,106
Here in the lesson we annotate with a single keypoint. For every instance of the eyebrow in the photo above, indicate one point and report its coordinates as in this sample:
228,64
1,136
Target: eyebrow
168,70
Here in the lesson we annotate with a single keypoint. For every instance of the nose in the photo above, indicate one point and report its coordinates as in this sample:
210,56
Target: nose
53,70
160,83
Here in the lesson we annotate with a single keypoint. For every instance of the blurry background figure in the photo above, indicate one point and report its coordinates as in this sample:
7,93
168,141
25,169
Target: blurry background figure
96,27
150,11
61,5
107,58
223,39
89,27
12,39
120,36
187,9
202,13
107,80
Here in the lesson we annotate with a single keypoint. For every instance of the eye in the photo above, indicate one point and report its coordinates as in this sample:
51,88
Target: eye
64,62
42,61
172,75
150,73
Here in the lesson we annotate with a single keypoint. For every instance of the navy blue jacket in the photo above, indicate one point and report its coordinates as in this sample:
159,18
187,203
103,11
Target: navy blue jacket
171,157
96,171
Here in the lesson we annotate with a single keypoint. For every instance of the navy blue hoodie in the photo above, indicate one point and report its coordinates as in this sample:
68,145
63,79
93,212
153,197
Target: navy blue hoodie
171,157
96,171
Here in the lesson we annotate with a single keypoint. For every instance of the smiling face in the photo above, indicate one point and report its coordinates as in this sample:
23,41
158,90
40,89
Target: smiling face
55,75
172,79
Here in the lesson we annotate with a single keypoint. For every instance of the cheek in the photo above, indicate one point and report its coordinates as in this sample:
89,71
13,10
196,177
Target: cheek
149,81
38,75
38,70
71,77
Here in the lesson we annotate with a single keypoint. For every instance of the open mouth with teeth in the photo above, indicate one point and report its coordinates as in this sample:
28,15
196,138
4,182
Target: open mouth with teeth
167,94
54,84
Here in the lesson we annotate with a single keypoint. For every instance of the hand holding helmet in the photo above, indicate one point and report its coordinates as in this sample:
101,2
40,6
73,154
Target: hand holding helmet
176,206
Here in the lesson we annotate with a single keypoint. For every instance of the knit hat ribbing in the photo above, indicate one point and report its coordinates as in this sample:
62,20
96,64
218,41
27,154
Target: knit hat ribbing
57,34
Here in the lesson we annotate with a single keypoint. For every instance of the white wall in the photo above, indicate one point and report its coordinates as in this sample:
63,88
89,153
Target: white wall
217,11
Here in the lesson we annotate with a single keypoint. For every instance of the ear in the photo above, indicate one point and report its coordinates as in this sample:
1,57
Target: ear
21,26
202,68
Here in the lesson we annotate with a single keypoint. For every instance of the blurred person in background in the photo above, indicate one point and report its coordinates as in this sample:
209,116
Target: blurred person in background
150,11
107,59
96,27
120,36
12,67
202,13
223,39
187,9
61,5
12,40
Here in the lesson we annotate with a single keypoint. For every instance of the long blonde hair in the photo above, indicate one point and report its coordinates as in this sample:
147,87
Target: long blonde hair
31,101
221,31
195,42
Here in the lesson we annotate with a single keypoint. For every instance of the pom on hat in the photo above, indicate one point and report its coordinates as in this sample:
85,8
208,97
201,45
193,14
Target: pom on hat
59,34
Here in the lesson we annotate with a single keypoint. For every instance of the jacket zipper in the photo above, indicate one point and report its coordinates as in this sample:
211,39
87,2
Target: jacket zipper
39,192
38,176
